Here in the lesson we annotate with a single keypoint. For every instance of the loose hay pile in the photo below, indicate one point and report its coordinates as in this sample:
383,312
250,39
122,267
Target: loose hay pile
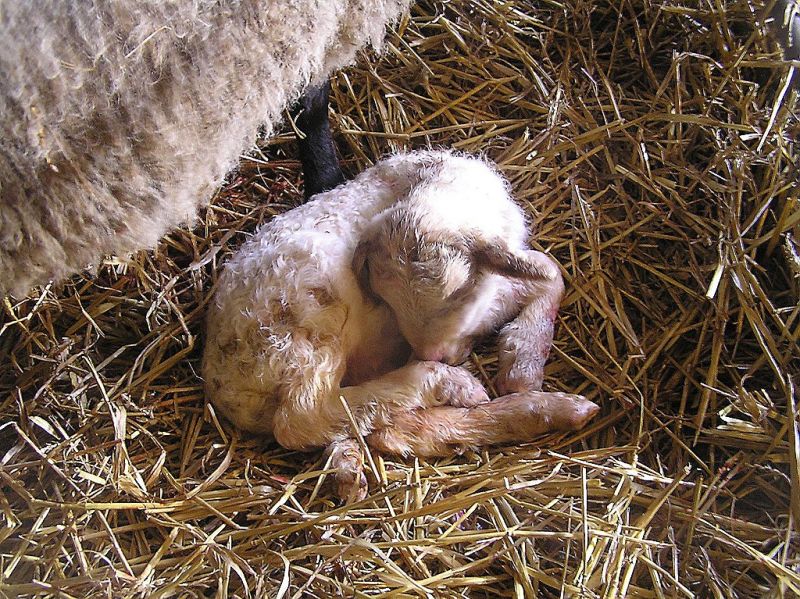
656,145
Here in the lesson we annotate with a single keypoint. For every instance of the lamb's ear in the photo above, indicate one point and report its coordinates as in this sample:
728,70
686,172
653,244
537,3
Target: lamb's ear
496,256
360,266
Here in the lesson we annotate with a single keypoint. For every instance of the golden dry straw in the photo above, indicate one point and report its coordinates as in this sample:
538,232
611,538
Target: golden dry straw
655,145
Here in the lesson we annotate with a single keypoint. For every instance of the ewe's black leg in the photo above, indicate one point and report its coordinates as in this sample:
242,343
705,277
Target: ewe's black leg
317,151
786,29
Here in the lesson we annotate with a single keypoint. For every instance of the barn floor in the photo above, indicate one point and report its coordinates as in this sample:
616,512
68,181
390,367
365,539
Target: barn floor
655,146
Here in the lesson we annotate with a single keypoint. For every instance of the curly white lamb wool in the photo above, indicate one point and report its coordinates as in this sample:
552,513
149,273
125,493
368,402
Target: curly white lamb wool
287,309
369,294
120,118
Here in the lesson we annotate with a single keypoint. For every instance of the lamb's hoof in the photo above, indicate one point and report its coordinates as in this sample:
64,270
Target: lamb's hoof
350,485
575,412
347,461
460,389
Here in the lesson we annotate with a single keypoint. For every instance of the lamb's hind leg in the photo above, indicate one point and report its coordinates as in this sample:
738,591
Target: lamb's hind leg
305,421
515,418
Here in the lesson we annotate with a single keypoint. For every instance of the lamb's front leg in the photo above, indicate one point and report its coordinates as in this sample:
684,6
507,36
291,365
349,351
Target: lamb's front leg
439,384
525,342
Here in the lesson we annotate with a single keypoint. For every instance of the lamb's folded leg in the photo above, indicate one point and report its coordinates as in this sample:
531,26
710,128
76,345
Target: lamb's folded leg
305,421
515,418
525,341
321,170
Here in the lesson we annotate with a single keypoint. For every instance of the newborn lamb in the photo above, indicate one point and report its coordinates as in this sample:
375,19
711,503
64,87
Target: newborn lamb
369,294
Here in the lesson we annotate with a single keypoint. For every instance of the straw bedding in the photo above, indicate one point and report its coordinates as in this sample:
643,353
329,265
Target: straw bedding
655,145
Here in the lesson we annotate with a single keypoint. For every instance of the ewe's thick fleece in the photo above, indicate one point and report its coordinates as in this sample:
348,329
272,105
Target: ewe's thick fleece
120,118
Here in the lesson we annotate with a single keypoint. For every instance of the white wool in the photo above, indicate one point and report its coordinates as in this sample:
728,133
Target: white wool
288,313
287,309
120,118
293,331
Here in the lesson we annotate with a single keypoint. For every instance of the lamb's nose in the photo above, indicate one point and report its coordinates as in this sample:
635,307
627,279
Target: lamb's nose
452,354
431,356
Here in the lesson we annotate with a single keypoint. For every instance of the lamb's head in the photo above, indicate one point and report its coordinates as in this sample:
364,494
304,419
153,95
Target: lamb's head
439,282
